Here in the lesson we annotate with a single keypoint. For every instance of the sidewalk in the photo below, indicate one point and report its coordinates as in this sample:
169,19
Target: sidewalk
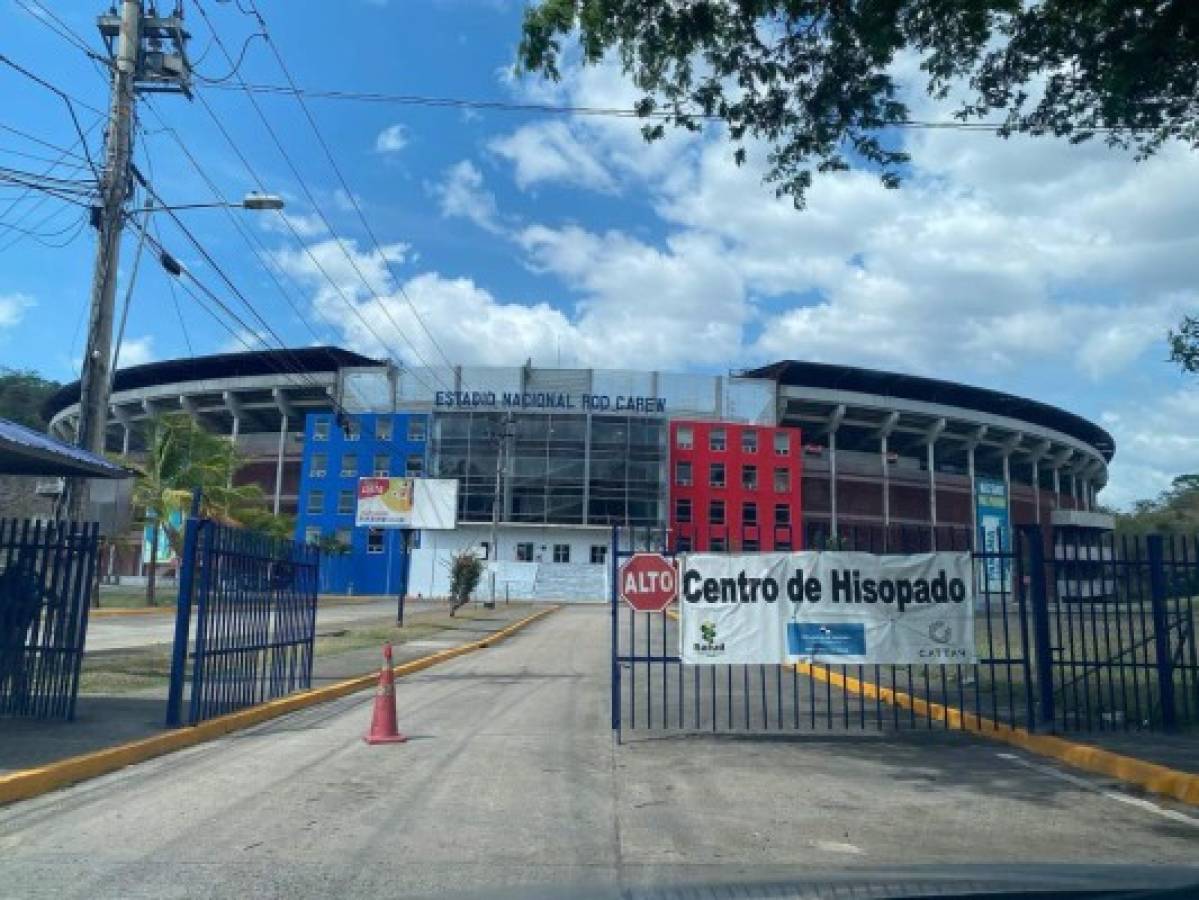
1175,751
105,720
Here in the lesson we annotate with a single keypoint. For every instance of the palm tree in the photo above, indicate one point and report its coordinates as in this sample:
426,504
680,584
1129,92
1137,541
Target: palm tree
182,457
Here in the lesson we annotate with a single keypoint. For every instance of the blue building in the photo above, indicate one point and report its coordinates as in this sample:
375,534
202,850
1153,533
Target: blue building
337,451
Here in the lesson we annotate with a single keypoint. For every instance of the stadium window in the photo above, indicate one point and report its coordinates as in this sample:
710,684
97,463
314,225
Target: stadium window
345,503
750,544
349,465
320,430
374,540
782,481
782,443
485,547
749,514
783,544
684,437
683,545
782,514
749,441
716,475
682,510
524,551
382,465
316,503
416,429
682,474
716,439
318,465
312,534
414,467
345,536
599,554
717,544
383,430
749,477
353,430
716,512
561,553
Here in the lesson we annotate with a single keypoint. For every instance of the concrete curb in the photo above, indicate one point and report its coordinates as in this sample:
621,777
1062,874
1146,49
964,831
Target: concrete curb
1157,779
34,782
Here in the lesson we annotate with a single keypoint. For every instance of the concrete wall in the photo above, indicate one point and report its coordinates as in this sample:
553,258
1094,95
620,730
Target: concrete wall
541,579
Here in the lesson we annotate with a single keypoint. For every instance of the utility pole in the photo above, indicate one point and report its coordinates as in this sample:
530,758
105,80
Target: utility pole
500,452
139,63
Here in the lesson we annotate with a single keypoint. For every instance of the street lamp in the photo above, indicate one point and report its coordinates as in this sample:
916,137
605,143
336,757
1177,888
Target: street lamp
253,201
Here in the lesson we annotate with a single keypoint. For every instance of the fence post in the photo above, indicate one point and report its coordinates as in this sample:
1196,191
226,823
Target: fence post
1039,598
1161,631
615,612
183,611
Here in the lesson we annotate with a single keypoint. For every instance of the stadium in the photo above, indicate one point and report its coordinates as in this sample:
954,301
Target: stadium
787,455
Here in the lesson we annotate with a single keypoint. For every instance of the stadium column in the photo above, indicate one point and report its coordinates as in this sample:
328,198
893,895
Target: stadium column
884,432
974,440
1035,456
1009,447
930,437
286,412
834,422
122,415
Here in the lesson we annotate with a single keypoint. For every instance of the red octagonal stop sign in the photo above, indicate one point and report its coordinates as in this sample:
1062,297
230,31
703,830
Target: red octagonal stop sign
648,582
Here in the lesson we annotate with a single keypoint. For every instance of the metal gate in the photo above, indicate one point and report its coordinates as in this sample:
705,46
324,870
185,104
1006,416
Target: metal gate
254,601
47,571
1054,651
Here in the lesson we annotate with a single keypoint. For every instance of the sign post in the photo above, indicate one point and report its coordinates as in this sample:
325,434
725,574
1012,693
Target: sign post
648,582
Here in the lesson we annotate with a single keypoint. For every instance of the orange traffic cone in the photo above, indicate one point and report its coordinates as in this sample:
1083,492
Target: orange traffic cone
383,722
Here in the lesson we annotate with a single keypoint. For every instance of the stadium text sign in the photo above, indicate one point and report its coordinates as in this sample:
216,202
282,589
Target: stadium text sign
548,400
648,582
832,607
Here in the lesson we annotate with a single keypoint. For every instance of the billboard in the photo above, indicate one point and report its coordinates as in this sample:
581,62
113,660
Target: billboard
827,607
407,502
991,526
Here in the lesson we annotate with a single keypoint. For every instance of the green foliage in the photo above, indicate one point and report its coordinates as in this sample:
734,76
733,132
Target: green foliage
261,519
465,571
331,545
812,78
1184,344
22,393
1174,511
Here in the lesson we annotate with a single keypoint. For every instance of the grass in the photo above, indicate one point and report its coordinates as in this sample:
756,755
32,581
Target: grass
134,596
148,668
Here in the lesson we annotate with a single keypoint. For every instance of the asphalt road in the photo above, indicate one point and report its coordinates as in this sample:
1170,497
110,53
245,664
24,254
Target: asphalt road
511,778
122,632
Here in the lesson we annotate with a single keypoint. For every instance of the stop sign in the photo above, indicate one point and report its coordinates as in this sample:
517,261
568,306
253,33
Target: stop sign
648,582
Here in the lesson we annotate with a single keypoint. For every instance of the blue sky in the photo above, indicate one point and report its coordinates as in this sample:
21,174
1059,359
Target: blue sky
1029,266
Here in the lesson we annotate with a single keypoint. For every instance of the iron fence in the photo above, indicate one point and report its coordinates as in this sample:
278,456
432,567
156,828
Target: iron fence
255,603
47,572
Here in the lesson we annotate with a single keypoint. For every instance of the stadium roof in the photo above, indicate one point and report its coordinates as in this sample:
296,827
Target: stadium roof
220,365
24,451
797,373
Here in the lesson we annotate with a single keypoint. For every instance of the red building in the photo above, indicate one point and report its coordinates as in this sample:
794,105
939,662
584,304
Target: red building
735,486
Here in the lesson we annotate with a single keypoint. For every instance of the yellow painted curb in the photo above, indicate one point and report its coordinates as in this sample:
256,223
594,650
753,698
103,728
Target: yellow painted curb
33,782
111,612
1157,779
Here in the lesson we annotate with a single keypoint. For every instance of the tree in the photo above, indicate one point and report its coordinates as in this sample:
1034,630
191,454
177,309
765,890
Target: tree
812,79
181,457
465,571
1184,344
1174,511
22,394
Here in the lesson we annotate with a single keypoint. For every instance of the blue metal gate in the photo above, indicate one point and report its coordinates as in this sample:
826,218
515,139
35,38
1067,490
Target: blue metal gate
254,601
47,572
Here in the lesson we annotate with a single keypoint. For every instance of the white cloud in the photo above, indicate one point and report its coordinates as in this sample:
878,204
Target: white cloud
137,351
305,225
13,307
551,152
1157,438
338,267
391,139
461,194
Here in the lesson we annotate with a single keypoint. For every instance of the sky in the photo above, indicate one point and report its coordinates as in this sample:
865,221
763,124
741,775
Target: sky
491,237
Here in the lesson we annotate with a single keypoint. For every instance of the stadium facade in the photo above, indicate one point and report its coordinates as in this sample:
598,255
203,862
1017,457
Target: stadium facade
688,460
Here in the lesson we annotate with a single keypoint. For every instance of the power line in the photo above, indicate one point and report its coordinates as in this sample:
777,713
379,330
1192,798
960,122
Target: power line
341,179
169,280
324,219
47,18
65,99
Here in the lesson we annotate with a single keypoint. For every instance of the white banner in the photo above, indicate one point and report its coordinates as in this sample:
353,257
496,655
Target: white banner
407,502
829,607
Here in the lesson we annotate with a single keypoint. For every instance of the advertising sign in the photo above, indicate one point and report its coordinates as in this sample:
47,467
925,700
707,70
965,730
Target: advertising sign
990,501
407,502
165,553
828,607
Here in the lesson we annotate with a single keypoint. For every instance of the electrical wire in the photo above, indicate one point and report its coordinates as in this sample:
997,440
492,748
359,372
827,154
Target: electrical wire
65,99
47,18
191,353
341,179
372,292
